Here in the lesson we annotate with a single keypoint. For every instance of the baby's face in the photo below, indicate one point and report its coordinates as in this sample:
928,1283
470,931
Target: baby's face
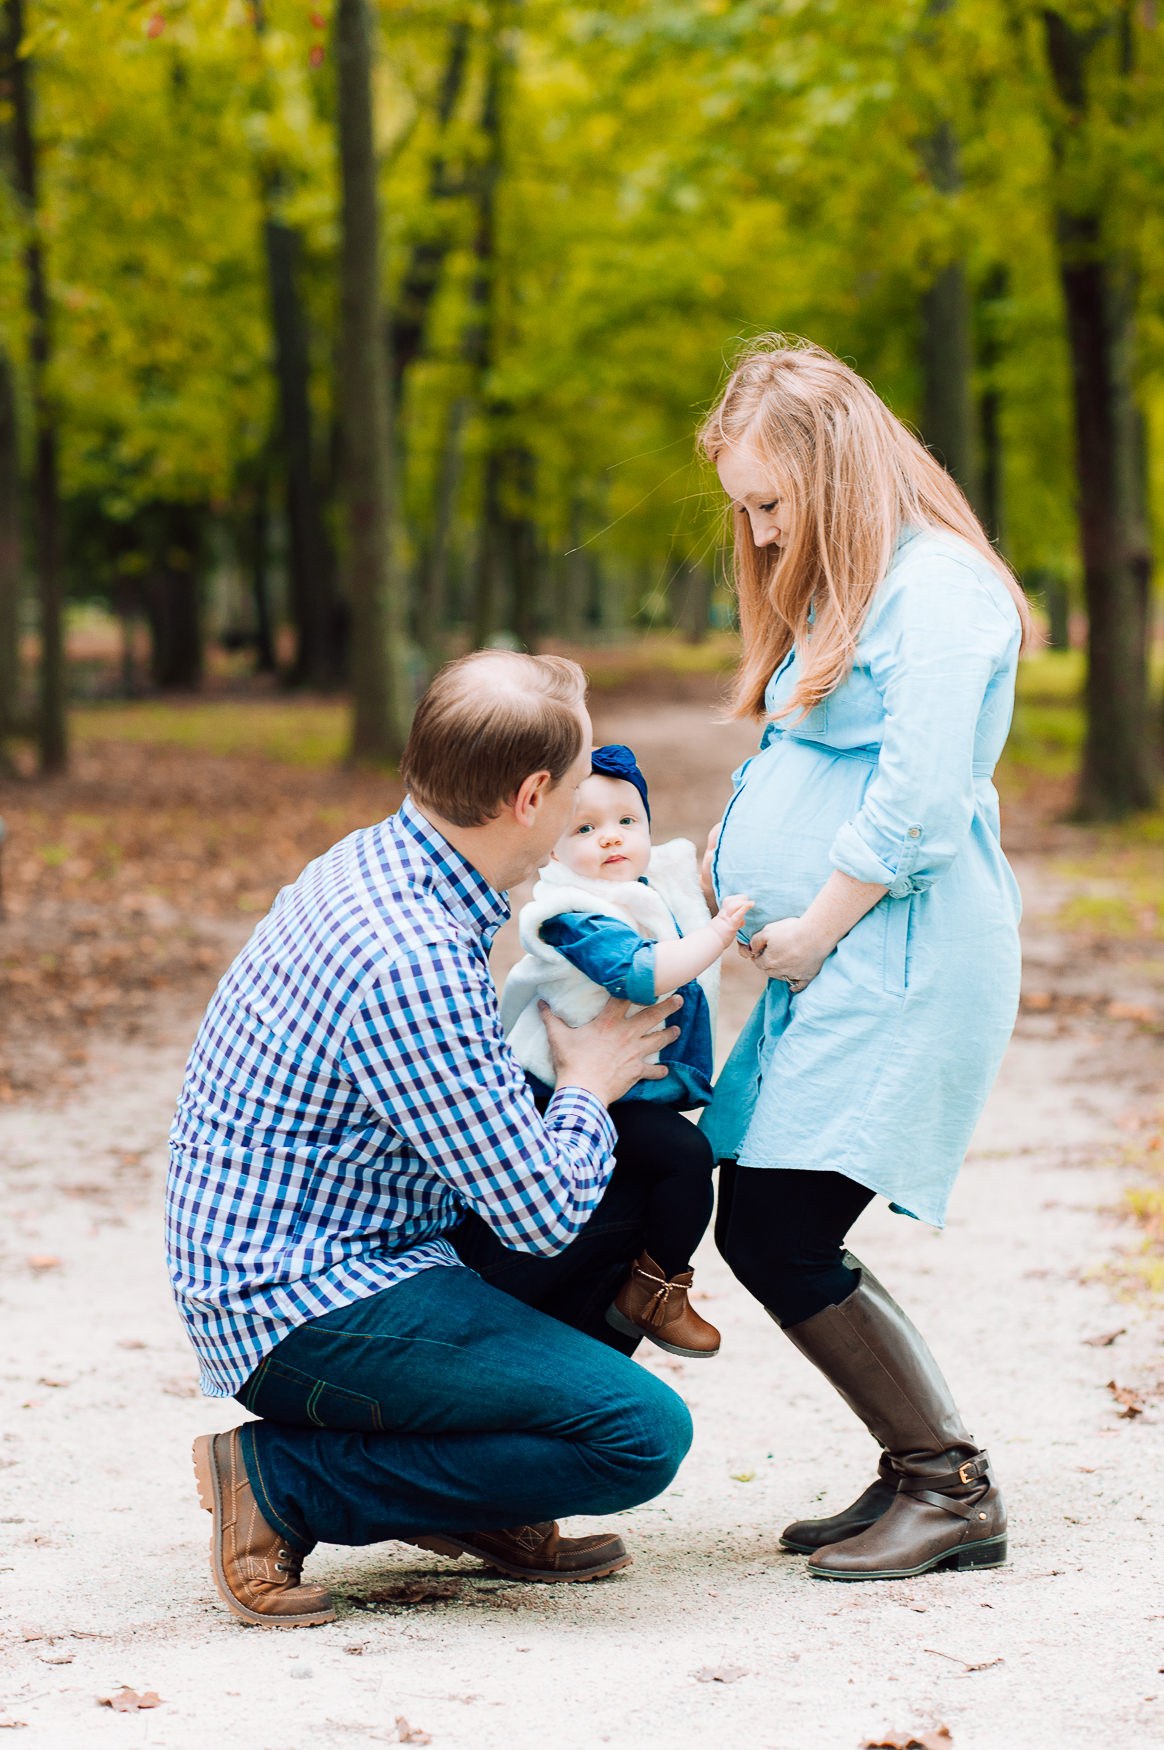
610,839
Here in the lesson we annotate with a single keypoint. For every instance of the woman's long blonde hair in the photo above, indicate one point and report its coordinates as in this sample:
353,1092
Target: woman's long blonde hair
853,478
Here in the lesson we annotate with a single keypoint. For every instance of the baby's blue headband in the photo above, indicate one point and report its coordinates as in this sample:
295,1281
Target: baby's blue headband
617,761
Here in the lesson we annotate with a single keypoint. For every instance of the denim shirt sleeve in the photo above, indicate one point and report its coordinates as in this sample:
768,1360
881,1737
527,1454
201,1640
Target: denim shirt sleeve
612,954
939,642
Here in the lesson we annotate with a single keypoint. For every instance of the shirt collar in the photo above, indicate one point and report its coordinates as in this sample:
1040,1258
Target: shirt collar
455,882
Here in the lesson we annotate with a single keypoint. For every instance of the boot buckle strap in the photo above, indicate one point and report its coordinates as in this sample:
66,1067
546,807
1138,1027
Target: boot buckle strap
973,1469
961,1509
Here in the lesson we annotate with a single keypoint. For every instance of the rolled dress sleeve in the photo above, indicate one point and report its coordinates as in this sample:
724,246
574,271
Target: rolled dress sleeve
937,646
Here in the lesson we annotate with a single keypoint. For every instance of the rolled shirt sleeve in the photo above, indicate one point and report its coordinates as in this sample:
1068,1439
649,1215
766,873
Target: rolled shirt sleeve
445,1082
941,641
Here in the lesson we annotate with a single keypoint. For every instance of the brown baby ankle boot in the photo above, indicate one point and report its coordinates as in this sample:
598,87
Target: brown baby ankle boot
255,1572
650,1305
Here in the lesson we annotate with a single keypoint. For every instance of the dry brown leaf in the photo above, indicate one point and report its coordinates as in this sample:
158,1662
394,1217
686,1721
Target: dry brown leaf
1106,1341
7,1720
1131,1012
406,1734
1131,1400
719,1674
930,1738
127,1701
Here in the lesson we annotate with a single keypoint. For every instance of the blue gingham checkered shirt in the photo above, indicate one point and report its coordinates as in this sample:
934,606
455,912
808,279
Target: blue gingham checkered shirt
350,1094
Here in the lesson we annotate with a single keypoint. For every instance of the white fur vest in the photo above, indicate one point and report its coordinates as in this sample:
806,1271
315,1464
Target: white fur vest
673,896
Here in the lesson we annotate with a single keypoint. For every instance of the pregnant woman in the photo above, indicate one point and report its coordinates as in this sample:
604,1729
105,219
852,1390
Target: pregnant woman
881,634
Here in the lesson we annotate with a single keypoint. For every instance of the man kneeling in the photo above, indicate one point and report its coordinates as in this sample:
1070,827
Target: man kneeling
357,1159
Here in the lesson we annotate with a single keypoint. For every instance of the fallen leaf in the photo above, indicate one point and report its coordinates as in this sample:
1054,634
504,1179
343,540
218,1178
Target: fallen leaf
406,1734
743,1476
1131,1012
43,1261
130,1343
7,1720
982,1665
1131,1400
58,1659
55,1384
932,1738
127,1701
1106,1341
719,1674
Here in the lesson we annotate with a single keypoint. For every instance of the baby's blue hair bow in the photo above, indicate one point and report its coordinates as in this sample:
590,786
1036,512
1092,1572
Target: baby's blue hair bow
617,761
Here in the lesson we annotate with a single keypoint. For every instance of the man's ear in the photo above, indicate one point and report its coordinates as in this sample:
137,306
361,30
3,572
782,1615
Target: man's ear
531,793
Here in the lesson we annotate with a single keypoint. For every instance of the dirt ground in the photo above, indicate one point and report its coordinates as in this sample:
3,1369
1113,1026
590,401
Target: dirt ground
714,1636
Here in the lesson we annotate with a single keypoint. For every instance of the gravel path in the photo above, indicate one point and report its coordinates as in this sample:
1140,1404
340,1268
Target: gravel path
105,1584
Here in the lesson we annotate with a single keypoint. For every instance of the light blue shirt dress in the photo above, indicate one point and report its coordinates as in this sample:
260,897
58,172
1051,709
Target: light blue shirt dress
880,1067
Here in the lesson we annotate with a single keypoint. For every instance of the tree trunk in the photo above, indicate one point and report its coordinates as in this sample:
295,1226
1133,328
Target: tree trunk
52,726
432,603
427,258
9,556
947,345
318,620
173,599
380,720
992,484
259,545
691,599
480,335
1099,293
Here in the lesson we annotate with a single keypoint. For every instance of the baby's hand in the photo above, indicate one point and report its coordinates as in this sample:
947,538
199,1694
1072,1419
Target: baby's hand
731,915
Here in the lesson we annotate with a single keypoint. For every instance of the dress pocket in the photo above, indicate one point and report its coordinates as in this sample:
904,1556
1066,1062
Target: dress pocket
898,917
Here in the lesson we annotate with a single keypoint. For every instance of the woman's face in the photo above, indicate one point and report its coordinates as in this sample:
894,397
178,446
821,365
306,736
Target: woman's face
747,480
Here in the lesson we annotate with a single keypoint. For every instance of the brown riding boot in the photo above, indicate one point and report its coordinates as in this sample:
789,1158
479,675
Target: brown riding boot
255,1572
947,1512
808,1535
535,1552
650,1305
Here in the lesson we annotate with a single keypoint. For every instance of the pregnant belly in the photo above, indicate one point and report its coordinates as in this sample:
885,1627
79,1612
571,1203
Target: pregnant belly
780,826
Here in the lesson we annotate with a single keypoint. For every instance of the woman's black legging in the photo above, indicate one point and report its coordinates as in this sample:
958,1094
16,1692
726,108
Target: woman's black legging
781,1232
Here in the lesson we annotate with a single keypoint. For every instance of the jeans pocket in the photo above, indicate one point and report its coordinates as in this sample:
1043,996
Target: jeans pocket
279,1393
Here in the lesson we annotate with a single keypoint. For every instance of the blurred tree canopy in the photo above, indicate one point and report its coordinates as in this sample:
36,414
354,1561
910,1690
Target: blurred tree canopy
584,210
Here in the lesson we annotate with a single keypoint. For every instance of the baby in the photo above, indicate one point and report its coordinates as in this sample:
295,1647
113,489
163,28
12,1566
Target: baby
614,916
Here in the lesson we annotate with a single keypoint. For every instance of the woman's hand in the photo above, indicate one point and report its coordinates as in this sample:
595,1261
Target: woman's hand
705,880
795,949
786,950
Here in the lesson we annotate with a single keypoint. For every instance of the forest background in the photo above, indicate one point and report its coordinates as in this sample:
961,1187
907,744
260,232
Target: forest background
236,330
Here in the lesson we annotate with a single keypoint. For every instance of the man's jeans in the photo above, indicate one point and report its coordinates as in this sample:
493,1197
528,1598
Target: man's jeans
444,1404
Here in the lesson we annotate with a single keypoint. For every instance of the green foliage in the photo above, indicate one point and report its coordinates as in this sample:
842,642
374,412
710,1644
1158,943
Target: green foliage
675,175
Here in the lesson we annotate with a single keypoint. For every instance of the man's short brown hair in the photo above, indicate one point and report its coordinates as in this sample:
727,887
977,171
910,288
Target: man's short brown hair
487,721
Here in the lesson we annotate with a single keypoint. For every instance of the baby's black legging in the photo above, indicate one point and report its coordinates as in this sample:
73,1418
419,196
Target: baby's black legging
665,1152
781,1231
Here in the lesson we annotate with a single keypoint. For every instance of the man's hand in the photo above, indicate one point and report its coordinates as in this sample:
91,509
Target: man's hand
609,1054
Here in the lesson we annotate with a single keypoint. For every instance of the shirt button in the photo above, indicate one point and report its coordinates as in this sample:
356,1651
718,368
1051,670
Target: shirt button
915,832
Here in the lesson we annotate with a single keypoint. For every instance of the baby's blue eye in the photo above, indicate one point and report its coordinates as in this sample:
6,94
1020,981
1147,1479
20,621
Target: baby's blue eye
627,820
583,829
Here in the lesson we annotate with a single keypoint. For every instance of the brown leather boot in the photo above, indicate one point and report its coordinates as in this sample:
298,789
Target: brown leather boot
650,1305
947,1512
255,1572
534,1552
809,1535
